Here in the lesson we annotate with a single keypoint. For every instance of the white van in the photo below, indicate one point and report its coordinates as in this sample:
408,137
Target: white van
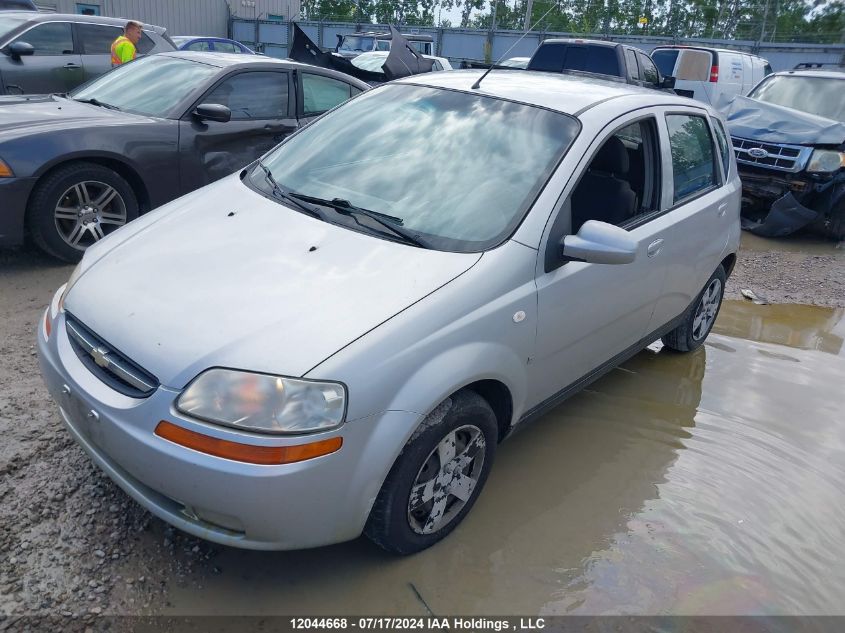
707,73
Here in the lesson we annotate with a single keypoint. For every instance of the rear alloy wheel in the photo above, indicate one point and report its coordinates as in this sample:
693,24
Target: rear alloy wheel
437,477
78,205
700,317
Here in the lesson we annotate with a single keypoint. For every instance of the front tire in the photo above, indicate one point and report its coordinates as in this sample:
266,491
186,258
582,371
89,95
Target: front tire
78,205
437,478
699,317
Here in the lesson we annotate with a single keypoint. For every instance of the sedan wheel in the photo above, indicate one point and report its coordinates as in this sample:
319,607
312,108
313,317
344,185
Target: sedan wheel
87,212
77,205
708,306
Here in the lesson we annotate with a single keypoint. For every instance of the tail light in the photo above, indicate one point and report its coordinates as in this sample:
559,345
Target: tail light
714,73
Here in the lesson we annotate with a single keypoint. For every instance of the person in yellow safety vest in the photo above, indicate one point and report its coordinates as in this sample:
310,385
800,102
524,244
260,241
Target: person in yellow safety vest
123,48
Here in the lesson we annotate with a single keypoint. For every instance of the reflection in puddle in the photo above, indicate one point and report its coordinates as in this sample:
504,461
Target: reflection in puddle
711,482
799,326
809,244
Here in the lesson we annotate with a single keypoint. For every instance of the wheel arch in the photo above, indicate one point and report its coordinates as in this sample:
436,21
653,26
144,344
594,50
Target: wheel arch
110,161
728,264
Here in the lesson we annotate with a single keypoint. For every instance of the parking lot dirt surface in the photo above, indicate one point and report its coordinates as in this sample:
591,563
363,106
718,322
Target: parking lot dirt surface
706,483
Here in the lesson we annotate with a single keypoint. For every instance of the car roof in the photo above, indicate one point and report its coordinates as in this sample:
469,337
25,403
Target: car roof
705,48
815,72
386,53
33,17
578,40
568,94
227,60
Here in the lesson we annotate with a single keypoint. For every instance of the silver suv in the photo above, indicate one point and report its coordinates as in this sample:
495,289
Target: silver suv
334,341
42,53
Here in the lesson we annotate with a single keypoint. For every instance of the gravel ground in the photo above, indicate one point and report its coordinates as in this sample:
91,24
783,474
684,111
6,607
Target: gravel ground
72,543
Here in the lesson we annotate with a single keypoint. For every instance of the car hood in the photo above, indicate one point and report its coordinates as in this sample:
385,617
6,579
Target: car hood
752,119
26,114
226,277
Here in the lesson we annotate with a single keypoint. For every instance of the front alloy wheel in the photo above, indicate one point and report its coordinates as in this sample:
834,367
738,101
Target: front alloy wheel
77,205
87,212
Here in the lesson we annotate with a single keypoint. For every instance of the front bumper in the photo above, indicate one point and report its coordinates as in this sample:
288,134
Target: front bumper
14,193
293,506
777,204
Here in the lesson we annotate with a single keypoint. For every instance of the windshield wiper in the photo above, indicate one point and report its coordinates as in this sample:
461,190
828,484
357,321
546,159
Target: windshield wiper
98,103
284,194
344,207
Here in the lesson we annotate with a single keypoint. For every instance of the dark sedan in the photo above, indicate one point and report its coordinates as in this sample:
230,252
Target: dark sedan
75,168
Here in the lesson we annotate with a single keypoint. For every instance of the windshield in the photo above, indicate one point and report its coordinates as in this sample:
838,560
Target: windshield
8,23
356,43
821,96
151,85
458,170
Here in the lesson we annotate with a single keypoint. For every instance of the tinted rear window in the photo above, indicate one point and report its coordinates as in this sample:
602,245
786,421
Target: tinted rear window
584,58
665,61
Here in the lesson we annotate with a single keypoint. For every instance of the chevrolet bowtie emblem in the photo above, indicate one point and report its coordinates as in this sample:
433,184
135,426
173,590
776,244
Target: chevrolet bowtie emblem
99,355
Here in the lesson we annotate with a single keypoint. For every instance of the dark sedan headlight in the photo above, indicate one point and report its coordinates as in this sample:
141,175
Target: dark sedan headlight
264,403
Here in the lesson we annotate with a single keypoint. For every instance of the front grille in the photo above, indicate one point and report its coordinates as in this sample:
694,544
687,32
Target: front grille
107,363
791,158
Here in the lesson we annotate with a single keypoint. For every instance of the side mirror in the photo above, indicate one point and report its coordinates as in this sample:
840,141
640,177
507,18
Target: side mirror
667,83
600,243
213,112
21,49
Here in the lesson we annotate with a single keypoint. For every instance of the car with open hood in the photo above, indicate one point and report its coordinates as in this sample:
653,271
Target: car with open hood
789,139
75,167
335,339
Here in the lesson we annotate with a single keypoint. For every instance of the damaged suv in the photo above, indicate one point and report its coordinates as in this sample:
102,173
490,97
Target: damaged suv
789,139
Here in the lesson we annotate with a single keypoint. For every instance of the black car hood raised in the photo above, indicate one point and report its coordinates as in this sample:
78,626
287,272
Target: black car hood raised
760,121
22,115
402,61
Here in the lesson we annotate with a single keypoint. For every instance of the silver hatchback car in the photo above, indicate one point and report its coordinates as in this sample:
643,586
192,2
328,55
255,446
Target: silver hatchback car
334,340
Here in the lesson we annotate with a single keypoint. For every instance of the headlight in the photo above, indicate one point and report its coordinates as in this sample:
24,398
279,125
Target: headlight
5,170
264,403
825,160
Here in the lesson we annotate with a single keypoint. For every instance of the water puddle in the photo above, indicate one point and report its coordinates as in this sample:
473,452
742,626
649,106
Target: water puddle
809,244
707,483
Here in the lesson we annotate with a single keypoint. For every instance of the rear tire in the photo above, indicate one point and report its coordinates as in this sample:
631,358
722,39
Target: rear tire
437,477
699,317
77,205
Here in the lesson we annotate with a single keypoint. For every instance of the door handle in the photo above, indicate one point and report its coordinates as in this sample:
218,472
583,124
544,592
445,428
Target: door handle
72,66
654,247
723,208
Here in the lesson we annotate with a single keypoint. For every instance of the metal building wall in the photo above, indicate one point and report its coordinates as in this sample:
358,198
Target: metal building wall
183,17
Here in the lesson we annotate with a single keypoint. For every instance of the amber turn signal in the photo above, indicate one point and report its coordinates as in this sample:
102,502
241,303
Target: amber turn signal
48,326
247,453
5,171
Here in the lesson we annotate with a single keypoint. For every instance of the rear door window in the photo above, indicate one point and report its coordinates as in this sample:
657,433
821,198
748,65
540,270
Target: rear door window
97,38
694,65
548,58
665,60
693,163
202,45
53,38
145,45
593,59
633,67
320,94
226,47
